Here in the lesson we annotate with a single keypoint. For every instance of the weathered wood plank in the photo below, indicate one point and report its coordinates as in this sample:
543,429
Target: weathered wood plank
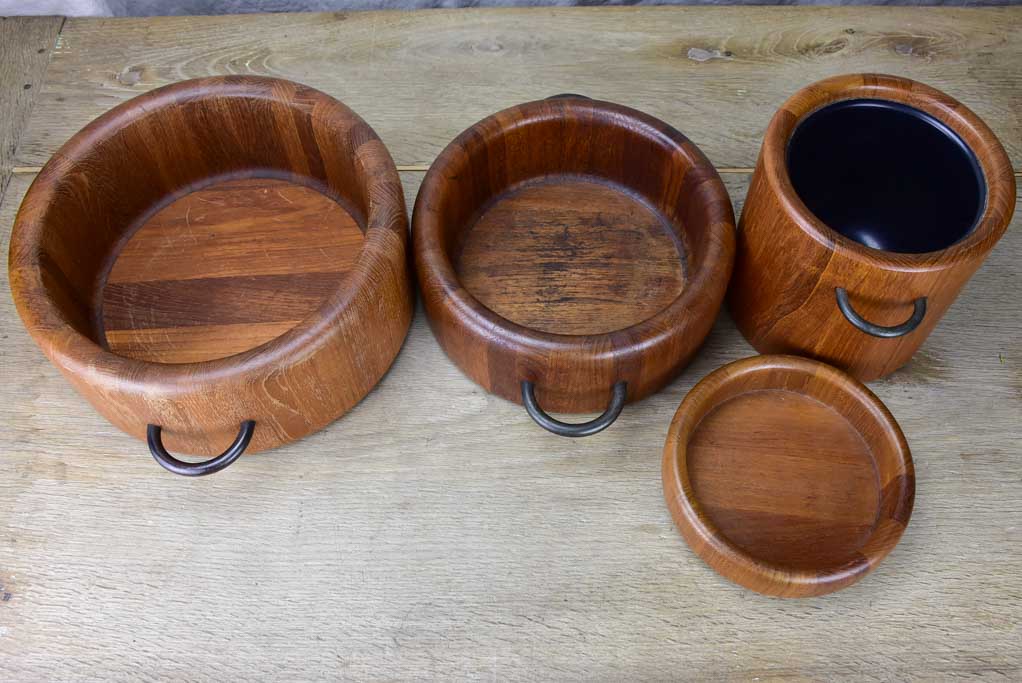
25,44
420,78
436,532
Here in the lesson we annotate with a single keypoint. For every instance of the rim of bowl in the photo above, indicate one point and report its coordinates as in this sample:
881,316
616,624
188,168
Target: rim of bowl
777,579
83,355
486,322
993,161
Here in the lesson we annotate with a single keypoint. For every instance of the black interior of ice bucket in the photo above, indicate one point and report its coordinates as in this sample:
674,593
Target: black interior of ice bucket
886,175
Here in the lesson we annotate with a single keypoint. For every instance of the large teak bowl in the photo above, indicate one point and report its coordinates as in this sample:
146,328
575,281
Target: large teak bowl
96,254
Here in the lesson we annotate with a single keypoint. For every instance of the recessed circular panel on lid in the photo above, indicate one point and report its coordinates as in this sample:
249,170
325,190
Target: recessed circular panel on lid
886,175
787,476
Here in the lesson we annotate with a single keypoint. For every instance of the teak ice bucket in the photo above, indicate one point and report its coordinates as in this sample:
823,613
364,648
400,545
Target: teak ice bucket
873,201
219,263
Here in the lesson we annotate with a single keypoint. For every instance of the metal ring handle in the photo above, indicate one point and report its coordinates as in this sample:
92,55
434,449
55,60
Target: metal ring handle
617,402
199,469
879,330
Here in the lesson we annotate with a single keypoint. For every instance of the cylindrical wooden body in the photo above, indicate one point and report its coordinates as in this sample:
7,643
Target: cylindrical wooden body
162,145
789,264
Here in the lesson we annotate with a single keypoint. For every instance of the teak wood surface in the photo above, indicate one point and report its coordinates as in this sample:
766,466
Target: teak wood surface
128,172
790,263
499,178
435,531
225,269
787,475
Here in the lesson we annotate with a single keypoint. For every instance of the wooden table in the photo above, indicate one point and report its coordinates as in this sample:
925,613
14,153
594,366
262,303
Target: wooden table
435,531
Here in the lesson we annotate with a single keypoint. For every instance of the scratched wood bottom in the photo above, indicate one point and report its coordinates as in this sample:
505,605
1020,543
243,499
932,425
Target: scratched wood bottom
225,269
572,256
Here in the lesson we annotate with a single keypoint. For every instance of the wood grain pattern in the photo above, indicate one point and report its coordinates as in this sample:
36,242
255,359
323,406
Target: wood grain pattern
789,263
481,572
553,142
25,45
570,256
787,476
126,165
99,555
694,67
225,269
783,476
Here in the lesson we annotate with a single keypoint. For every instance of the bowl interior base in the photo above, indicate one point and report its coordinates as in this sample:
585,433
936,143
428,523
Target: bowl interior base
572,255
785,478
226,268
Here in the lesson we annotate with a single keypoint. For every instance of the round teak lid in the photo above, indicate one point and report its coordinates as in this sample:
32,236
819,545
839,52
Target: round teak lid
787,476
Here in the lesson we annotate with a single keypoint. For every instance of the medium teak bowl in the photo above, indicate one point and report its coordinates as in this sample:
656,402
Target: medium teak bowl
572,253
